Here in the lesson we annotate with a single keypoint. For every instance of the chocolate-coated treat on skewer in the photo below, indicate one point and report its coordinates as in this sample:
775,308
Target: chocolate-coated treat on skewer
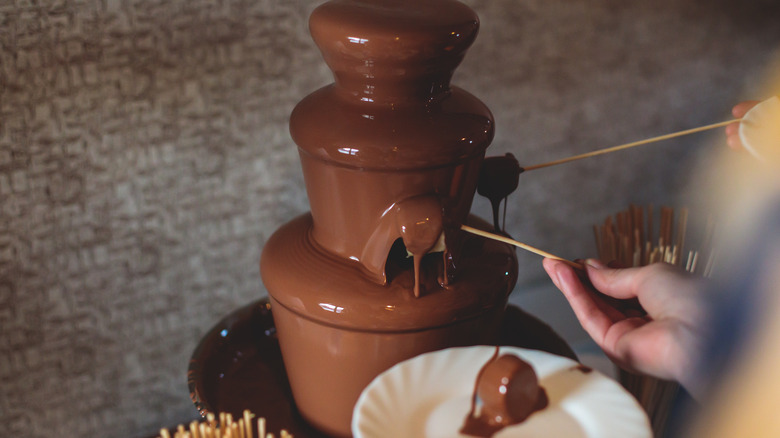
498,178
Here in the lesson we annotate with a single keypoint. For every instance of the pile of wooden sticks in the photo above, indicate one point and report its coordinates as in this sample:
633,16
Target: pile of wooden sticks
223,426
630,240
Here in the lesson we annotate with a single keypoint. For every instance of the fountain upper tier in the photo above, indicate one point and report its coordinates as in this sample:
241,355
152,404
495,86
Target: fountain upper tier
393,50
391,128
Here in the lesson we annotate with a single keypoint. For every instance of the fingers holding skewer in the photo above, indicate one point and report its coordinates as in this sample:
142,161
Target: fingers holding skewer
732,130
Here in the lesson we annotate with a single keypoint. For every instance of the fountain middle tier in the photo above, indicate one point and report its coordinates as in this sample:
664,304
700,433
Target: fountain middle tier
359,160
338,329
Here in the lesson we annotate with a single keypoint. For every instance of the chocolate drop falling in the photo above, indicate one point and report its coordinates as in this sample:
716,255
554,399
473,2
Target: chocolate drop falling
421,225
498,178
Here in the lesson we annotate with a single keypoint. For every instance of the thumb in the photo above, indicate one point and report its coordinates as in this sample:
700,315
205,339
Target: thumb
620,283
656,286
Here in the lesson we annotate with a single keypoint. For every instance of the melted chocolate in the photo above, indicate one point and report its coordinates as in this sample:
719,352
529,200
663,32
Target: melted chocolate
583,369
498,178
509,392
474,394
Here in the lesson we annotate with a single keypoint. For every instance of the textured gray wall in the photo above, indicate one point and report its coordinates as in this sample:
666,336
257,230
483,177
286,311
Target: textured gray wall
145,159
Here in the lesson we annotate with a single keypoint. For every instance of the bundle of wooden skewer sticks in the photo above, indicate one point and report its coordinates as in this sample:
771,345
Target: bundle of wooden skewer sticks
629,240
223,426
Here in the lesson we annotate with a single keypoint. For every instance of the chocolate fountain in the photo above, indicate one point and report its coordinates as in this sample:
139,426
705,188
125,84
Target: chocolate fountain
379,271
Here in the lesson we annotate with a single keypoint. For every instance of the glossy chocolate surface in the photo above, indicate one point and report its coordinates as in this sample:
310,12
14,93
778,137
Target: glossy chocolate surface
238,365
354,210
393,51
509,392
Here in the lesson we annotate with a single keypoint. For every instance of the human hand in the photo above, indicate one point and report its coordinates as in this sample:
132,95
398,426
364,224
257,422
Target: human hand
664,343
732,130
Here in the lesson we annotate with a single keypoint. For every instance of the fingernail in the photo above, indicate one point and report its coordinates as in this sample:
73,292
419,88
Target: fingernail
555,275
595,264
558,277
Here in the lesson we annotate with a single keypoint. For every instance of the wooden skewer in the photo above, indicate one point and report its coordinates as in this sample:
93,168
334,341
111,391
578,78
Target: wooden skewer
261,427
631,145
194,429
248,423
537,251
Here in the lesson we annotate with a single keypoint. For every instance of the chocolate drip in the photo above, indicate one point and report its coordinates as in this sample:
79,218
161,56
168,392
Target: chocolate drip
420,224
476,383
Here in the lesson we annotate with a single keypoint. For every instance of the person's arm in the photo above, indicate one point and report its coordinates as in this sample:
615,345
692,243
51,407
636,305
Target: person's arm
665,342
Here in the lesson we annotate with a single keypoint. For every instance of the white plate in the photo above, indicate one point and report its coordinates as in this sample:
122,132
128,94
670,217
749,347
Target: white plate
429,396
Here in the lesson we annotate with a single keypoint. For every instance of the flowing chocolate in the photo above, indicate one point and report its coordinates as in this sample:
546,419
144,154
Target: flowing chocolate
421,226
509,392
